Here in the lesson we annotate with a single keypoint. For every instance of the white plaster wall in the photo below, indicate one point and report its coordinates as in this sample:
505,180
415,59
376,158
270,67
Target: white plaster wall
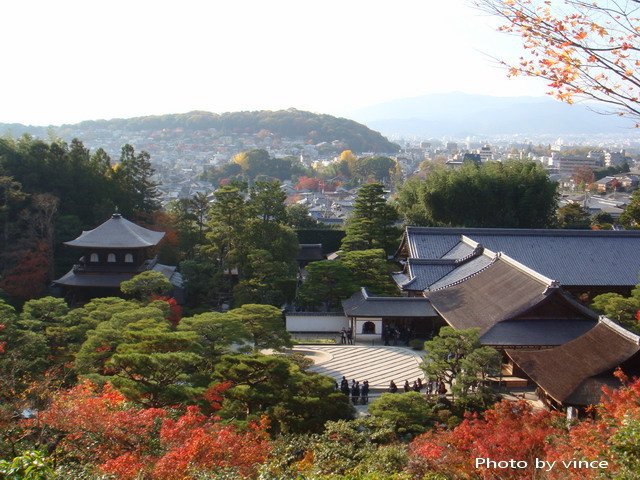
319,323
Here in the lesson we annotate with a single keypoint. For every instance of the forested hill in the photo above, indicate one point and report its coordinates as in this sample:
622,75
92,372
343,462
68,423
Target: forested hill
295,124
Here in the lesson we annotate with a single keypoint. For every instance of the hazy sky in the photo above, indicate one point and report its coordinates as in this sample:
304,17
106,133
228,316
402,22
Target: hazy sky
66,61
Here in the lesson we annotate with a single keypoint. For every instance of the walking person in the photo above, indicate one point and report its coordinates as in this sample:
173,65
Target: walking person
442,389
393,388
420,385
364,393
355,392
406,387
344,386
415,387
385,335
343,336
350,336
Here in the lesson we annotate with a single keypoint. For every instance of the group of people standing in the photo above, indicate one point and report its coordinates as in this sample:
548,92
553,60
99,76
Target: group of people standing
346,336
392,334
359,393
432,386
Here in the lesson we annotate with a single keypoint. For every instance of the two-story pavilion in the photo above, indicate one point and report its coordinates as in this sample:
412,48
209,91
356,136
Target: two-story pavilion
112,253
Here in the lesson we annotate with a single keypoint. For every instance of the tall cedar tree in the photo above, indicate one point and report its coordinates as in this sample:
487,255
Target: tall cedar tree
371,224
136,172
631,215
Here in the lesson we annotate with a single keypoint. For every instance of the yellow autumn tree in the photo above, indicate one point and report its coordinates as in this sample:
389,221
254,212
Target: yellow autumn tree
348,157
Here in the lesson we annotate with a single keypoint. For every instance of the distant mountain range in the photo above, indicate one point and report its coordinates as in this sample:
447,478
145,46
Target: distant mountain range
460,114
293,124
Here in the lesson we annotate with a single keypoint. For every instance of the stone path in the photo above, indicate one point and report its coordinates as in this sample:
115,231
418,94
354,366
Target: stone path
379,365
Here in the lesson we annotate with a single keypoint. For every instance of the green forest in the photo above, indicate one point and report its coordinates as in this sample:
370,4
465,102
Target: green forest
292,123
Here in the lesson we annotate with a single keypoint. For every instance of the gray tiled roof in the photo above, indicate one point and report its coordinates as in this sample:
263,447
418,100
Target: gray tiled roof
424,274
573,257
546,332
361,304
113,280
461,250
117,232
463,271
102,280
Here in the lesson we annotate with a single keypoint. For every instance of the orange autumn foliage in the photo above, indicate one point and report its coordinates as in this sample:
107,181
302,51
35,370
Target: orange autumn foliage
592,438
515,431
507,431
583,49
100,427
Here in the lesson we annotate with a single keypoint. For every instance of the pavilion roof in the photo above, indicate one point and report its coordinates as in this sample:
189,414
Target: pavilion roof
113,279
117,232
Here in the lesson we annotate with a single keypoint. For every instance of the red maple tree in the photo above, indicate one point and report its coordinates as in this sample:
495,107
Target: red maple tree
98,426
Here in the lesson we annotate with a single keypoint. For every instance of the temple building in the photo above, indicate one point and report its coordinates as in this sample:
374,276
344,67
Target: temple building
512,305
112,253
524,290
585,262
572,375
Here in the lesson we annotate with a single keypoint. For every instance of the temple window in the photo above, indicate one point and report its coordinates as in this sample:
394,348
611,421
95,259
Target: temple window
368,328
111,258
94,258
128,258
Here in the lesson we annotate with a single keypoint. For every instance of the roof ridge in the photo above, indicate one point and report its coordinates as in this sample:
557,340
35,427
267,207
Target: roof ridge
529,271
366,296
619,329
464,279
478,249
548,232
127,226
432,261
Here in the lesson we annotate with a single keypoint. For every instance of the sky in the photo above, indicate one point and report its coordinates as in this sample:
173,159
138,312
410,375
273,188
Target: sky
67,61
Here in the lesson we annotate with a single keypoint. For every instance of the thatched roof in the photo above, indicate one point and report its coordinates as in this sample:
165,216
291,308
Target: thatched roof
575,372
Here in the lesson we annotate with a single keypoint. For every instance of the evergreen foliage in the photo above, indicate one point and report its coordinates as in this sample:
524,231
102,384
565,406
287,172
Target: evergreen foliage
573,216
327,284
371,225
513,194
631,215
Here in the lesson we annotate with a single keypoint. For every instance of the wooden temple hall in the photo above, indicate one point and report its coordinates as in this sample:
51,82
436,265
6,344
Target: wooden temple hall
110,254
523,298
511,305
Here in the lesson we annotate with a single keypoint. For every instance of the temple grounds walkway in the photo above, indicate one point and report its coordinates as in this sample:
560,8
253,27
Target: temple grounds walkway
379,365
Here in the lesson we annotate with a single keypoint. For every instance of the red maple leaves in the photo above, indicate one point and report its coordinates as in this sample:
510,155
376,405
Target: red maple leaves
98,426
